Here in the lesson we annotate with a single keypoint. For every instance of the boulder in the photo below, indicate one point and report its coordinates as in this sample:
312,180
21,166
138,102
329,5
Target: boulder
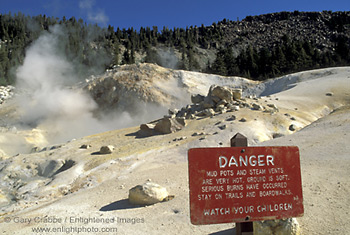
277,227
147,194
224,93
169,125
106,149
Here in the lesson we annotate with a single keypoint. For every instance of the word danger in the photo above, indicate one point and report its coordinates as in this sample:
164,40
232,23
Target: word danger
260,160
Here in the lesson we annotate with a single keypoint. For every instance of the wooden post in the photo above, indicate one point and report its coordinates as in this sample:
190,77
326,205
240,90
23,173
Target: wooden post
245,228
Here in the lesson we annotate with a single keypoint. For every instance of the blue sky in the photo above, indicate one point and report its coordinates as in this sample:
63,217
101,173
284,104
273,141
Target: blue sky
170,13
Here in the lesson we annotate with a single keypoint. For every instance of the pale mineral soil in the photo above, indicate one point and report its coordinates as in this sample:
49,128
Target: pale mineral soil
97,185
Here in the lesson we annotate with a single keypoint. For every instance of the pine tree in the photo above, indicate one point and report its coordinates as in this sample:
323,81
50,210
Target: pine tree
116,53
126,57
219,65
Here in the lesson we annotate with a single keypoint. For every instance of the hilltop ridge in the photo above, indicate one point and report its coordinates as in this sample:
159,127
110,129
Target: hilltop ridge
260,47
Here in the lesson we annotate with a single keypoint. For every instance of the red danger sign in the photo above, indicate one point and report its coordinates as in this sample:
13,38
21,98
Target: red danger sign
241,184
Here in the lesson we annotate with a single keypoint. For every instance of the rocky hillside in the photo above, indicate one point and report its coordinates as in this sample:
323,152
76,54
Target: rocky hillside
320,28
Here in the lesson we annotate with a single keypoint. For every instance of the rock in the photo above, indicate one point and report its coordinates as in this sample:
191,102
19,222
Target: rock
198,133
208,103
147,127
233,107
147,194
244,105
35,149
272,106
277,135
237,94
169,125
181,113
206,113
277,227
215,99
329,94
221,92
292,127
222,102
173,111
49,168
190,116
55,147
196,99
223,111
180,138
220,108
64,190
257,107
195,108
182,121
232,118
243,120
106,149
85,146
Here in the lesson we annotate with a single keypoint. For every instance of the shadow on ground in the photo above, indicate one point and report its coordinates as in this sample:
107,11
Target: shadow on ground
119,205
231,231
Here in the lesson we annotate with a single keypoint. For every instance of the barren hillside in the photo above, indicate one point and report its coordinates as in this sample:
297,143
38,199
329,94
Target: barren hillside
66,180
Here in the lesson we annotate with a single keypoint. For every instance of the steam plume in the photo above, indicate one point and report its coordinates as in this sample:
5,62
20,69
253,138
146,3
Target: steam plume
48,101
45,77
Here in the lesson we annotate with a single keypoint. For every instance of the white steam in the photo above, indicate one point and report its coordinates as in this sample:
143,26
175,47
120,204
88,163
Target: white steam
45,77
49,103
168,58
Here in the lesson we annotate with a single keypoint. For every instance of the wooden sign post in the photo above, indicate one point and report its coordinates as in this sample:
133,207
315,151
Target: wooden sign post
244,228
242,184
